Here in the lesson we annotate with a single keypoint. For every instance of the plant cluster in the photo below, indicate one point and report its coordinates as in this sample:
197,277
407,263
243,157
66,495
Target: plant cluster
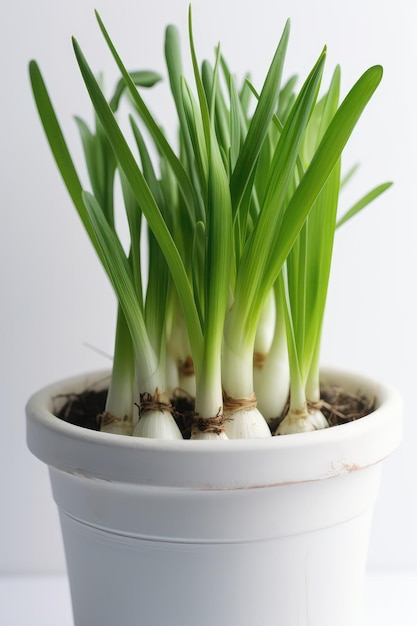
240,218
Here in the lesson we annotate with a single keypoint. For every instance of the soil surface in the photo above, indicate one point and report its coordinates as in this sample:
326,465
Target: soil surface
337,405
83,409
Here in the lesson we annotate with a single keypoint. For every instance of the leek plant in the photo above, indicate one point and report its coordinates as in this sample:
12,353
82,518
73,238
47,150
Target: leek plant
240,217
304,283
138,367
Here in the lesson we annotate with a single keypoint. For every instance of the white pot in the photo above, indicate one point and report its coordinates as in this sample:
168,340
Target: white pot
230,533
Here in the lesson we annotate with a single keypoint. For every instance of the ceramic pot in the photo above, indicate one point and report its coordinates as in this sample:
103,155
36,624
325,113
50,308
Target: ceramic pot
232,533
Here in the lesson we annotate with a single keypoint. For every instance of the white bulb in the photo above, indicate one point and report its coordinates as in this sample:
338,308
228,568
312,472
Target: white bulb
302,422
246,424
157,425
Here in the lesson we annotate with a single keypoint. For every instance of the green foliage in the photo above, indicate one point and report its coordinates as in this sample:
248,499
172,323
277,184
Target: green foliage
246,203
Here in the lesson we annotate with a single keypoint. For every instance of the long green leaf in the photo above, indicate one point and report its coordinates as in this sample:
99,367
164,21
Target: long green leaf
197,134
260,122
218,107
147,165
323,162
134,218
146,202
217,276
156,295
59,146
158,136
256,256
296,381
175,74
198,266
363,202
204,109
322,224
118,271
235,123
141,78
219,244
101,165
317,235
346,178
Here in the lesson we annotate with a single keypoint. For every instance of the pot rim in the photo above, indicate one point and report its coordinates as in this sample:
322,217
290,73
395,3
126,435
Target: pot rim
226,464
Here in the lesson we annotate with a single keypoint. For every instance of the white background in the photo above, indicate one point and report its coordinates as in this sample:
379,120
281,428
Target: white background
54,297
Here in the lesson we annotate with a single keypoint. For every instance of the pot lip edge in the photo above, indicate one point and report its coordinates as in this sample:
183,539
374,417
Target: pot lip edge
222,466
388,397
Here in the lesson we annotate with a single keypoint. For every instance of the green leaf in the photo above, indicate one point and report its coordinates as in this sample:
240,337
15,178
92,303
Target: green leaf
196,133
156,295
349,175
320,119
218,108
198,266
191,201
87,139
258,250
217,269
312,252
101,166
59,146
147,166
119,401
175,73
134,218
323,162
260,122
236,131
322,224
219,241
146,201
204,109
286,98
141,78
363,202
118,271
297,394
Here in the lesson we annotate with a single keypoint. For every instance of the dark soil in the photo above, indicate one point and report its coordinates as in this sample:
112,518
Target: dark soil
83,409
338,406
